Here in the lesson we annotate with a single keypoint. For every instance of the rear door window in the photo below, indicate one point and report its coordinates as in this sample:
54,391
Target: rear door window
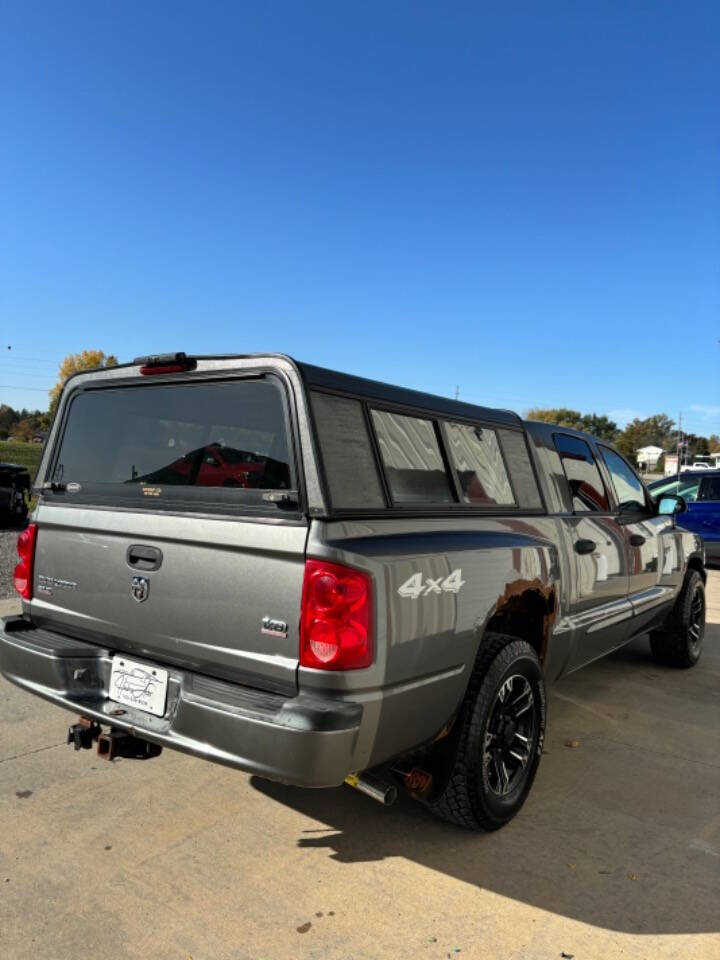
414,466
709,488
583,476
479,465
220,442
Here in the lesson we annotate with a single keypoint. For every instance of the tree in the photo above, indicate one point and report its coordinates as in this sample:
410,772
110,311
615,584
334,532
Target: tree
714,443
701,447
562,416
19,423
8,419
656,431
24,429
599,426
74,363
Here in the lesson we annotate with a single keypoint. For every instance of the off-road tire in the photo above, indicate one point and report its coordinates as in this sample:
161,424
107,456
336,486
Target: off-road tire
679,642
466,797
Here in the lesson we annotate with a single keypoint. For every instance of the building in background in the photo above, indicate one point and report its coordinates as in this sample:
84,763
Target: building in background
647,457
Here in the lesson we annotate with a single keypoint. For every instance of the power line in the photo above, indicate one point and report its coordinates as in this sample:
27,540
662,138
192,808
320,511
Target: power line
20,386
30,356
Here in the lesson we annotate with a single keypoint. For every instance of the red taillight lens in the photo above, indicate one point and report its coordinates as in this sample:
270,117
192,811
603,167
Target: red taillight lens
23,576
336,619
156,370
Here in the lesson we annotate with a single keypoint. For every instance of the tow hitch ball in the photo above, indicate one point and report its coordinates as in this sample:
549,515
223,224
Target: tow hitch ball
112,743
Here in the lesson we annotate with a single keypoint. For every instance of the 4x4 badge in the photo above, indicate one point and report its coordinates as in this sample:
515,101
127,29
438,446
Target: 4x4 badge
415,586
139,588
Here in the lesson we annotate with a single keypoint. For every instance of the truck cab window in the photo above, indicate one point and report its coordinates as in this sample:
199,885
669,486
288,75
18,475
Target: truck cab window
686,487
629,491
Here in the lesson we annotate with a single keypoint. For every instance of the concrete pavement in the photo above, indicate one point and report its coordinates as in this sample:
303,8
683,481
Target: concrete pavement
616,853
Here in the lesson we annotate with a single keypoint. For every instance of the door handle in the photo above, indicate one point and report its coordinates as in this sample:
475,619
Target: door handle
584,546
140,557
636,540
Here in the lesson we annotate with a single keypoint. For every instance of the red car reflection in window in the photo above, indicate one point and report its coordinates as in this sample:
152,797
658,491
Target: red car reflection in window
218,466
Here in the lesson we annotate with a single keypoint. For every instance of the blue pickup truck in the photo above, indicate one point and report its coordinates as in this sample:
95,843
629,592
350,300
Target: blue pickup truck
701,491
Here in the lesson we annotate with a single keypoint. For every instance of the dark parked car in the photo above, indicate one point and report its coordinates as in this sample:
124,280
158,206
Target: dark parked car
701,491
384,602
14,486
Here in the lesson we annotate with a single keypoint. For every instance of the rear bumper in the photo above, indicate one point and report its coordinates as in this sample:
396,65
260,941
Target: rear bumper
308,741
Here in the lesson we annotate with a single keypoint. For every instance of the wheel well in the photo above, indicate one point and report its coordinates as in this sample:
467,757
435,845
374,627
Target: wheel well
695,563
528,617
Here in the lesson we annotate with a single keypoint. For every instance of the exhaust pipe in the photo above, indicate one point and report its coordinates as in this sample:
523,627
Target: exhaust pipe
118,743
385,793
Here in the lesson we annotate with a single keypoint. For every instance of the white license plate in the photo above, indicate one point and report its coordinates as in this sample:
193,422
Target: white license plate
138,685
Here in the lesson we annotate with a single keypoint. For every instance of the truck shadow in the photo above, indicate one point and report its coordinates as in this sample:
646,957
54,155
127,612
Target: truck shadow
621,832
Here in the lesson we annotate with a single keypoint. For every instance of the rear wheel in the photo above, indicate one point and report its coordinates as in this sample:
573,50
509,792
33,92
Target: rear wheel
496,745
680,642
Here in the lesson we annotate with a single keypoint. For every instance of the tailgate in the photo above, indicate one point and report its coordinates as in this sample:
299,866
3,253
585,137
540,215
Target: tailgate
202,608
170,524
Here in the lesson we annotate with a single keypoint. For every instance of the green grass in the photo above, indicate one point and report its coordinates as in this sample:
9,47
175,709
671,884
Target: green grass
26,454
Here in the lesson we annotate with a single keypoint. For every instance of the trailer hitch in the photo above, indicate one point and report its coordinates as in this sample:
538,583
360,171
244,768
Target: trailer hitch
119,743
84,733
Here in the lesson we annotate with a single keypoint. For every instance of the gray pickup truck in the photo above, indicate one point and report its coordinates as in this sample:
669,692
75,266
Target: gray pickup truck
318,578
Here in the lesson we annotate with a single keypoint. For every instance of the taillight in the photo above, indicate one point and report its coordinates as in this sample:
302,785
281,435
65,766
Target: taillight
162,368
23,576
163,363
336,620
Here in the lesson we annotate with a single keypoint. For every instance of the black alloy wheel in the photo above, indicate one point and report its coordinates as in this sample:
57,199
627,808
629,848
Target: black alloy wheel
679,642
485,768
510,736
696,621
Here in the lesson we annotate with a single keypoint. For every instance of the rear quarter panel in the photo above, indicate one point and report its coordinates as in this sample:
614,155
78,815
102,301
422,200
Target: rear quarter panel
426,645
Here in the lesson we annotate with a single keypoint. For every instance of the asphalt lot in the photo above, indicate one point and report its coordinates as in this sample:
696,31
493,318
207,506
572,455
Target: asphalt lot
616,853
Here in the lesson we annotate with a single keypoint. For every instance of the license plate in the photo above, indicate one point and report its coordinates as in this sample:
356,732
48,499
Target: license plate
138,685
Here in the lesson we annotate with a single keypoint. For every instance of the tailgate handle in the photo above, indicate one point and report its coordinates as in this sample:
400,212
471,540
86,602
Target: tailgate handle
144,558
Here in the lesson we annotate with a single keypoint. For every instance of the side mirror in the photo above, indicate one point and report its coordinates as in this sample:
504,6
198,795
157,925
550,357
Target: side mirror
671,504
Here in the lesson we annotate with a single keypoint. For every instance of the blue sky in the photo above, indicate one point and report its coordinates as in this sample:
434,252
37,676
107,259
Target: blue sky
521,200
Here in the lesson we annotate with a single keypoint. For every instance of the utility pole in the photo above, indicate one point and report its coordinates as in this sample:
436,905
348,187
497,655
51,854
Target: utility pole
679,445
457,391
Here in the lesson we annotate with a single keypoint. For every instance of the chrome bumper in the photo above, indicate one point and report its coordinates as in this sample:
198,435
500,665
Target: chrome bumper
304,740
